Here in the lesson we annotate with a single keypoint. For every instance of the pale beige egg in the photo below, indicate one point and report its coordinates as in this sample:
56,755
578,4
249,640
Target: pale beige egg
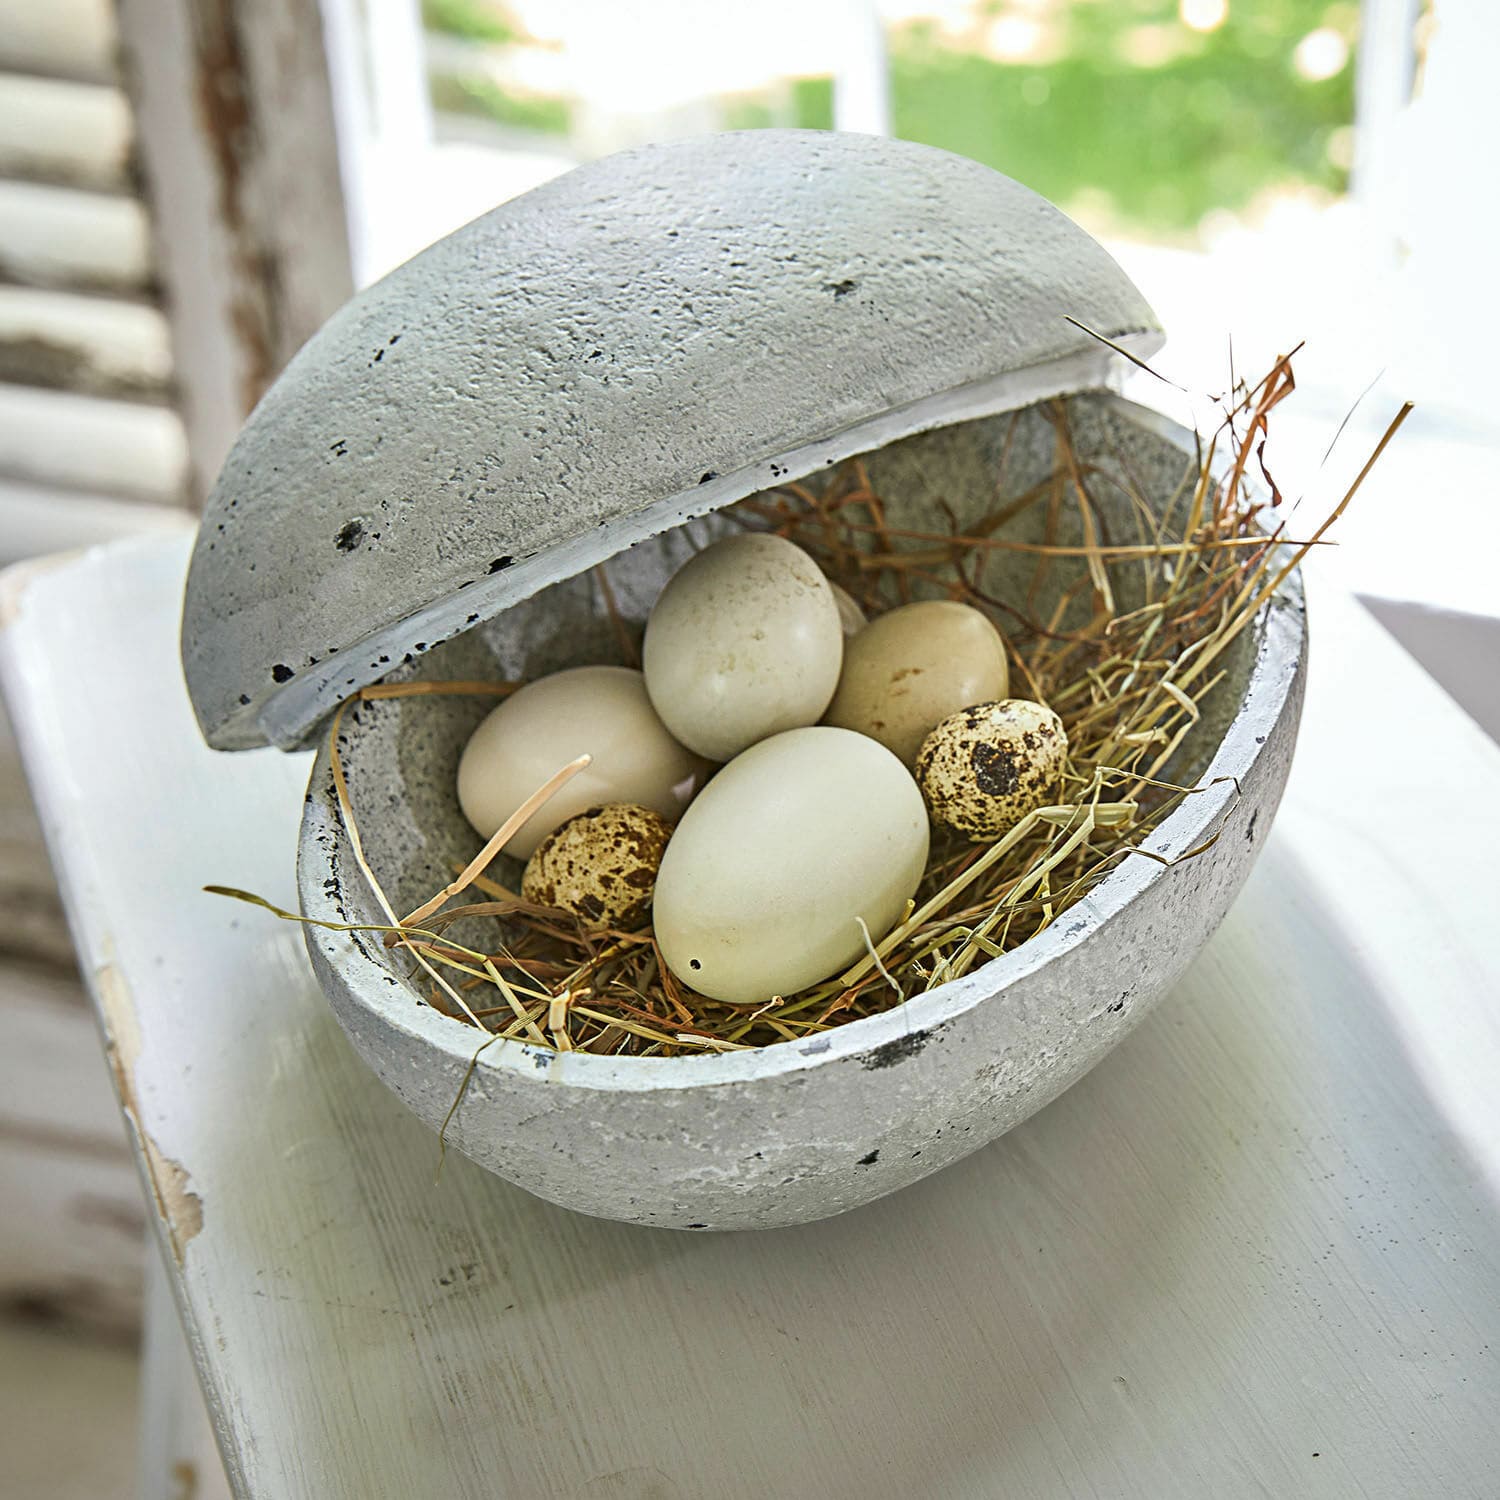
852,619
910,668
599,711
600,866
743,642
985,768
784,854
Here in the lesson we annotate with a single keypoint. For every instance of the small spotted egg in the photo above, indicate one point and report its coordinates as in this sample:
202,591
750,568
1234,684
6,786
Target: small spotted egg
600,865
985,768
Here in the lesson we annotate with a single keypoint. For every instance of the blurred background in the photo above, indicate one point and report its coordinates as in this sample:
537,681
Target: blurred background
189,187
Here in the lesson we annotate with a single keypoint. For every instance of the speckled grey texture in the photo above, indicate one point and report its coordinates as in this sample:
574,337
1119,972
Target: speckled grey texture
642,340
799,1130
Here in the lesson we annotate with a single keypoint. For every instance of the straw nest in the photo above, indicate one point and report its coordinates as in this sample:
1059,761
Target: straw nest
1127,657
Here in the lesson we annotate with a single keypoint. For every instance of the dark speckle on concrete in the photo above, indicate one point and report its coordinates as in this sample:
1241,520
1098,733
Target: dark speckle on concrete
898,1050
840,288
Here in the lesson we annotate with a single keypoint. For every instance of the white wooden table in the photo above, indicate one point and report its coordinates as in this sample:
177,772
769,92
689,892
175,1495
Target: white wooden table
1255,1253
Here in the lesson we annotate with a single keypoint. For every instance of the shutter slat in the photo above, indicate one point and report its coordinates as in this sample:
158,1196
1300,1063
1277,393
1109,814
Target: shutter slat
64,237
91,345
84,442
77,134
59,38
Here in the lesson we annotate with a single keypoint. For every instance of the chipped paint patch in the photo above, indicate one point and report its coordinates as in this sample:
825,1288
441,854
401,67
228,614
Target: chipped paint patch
179,1207
897,1050
19,577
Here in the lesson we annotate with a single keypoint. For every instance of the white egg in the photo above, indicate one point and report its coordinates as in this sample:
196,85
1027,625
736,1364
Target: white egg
769,873
743,643
599,711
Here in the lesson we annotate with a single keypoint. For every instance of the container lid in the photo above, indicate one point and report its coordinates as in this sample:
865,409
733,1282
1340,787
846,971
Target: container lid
643,340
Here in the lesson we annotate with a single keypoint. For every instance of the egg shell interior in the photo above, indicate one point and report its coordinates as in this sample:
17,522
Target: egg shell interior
400,755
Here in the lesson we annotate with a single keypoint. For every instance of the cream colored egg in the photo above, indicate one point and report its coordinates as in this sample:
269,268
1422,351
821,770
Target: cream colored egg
852,618
907,670
600,866
765,882
982,770
600,711
743,642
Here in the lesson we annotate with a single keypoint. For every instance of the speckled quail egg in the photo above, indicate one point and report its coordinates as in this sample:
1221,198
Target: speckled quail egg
910,668
601,711
790,847
983,769
601,865
743,642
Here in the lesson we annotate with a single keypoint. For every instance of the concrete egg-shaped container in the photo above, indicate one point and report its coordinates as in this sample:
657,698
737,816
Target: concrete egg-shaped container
586,375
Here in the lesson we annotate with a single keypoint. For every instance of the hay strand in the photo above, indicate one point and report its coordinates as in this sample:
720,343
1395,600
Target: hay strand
1130,684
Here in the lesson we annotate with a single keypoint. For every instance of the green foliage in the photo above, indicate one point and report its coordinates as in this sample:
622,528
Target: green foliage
806,103
1125,114
472,95
812,103
1213,120
747,112
474,20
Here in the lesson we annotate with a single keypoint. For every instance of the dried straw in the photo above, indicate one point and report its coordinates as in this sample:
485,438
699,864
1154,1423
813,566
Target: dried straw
1129,686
